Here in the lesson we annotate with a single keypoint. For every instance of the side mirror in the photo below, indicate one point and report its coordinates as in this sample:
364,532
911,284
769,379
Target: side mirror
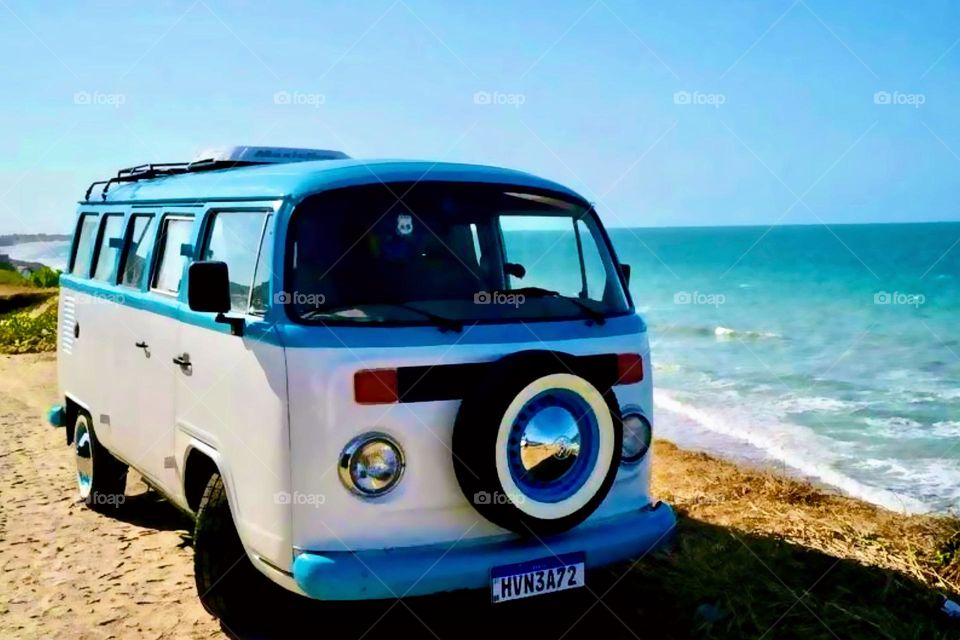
208,290
208,287
625,270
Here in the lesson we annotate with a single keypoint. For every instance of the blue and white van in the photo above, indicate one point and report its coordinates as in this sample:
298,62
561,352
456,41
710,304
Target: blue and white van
366,379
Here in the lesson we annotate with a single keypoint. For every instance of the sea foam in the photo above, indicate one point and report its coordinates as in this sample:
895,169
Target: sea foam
809,455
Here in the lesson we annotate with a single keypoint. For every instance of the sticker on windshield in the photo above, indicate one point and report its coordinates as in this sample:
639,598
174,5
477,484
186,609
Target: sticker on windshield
404,224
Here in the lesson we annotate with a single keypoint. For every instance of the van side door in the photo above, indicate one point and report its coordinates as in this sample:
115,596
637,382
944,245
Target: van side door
153,311
233,396
133,347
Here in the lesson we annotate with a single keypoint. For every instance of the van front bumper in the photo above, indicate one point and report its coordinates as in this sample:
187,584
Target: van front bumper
422,570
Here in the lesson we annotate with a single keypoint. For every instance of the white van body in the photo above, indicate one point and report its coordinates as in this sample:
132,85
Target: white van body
270,401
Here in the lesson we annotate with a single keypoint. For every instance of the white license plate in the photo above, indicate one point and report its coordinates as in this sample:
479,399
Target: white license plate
537,577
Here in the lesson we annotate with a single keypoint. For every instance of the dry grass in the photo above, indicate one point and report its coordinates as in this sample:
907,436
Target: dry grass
758,553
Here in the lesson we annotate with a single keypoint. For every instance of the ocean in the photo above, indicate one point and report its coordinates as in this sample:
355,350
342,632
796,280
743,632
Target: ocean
833,352
53,253
829,353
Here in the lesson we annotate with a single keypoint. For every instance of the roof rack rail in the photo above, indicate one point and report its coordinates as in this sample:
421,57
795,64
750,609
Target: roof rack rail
157,170
229,158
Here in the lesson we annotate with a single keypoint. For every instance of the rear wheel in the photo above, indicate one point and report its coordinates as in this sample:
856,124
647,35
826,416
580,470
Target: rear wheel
101,478
228,584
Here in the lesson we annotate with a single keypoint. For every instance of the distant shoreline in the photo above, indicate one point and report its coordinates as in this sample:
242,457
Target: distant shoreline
11,239
29,251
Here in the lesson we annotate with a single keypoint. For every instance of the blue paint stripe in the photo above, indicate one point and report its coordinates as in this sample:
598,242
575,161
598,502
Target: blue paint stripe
257,330
306,336
283,332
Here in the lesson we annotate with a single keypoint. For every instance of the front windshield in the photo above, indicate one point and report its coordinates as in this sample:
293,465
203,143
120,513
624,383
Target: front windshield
432,251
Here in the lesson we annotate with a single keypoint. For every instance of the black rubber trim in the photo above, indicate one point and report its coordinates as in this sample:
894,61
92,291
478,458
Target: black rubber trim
454,381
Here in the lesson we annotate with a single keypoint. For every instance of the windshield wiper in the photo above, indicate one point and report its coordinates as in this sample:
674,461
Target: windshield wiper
442,323
540,292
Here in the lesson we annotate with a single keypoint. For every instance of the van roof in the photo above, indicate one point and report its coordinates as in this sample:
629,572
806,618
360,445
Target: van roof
299,179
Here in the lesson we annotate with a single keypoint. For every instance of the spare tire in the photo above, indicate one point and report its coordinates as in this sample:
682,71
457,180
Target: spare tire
537,444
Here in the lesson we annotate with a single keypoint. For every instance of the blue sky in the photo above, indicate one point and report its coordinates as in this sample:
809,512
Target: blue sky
664,113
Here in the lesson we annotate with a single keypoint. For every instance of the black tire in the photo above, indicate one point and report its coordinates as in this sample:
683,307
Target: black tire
228,584
101,478
475,447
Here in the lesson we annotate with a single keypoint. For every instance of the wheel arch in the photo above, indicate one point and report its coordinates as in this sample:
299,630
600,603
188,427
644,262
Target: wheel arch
199,465
74,408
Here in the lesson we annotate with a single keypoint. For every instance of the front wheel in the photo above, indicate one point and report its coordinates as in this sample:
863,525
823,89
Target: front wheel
228,584
101,478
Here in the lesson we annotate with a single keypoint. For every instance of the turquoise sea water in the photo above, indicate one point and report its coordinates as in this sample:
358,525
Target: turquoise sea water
831,352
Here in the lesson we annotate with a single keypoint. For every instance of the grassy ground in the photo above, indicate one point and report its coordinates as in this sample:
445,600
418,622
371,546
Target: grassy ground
28,319
760,554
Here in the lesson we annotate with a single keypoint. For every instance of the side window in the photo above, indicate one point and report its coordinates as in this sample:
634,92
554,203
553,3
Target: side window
137,248
111,233
83,245
174,233
594,270
264,272
234,237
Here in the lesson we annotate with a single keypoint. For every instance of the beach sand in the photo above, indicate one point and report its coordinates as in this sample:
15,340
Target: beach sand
758,550
67,571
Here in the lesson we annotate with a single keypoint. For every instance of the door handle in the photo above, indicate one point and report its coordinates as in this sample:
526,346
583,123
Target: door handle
182,360
142,345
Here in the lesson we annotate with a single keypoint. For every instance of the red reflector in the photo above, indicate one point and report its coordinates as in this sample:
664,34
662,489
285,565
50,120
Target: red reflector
375,386
629,368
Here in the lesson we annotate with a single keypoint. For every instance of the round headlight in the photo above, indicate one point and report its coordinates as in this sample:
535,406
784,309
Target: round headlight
637,435
371,464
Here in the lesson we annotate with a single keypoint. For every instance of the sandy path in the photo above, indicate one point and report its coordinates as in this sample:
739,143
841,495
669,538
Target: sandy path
68,572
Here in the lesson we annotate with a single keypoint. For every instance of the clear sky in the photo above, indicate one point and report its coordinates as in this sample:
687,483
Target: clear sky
664,113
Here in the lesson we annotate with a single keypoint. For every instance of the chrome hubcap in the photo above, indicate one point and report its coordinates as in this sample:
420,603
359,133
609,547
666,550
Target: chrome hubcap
83,445
550,444
553,445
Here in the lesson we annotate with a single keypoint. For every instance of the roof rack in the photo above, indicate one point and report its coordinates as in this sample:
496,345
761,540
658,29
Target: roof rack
229,158
150,171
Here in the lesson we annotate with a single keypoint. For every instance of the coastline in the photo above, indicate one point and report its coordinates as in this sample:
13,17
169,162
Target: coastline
755,551
28,252
693,429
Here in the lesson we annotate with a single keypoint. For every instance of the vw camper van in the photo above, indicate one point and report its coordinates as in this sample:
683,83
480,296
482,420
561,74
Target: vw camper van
365,379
